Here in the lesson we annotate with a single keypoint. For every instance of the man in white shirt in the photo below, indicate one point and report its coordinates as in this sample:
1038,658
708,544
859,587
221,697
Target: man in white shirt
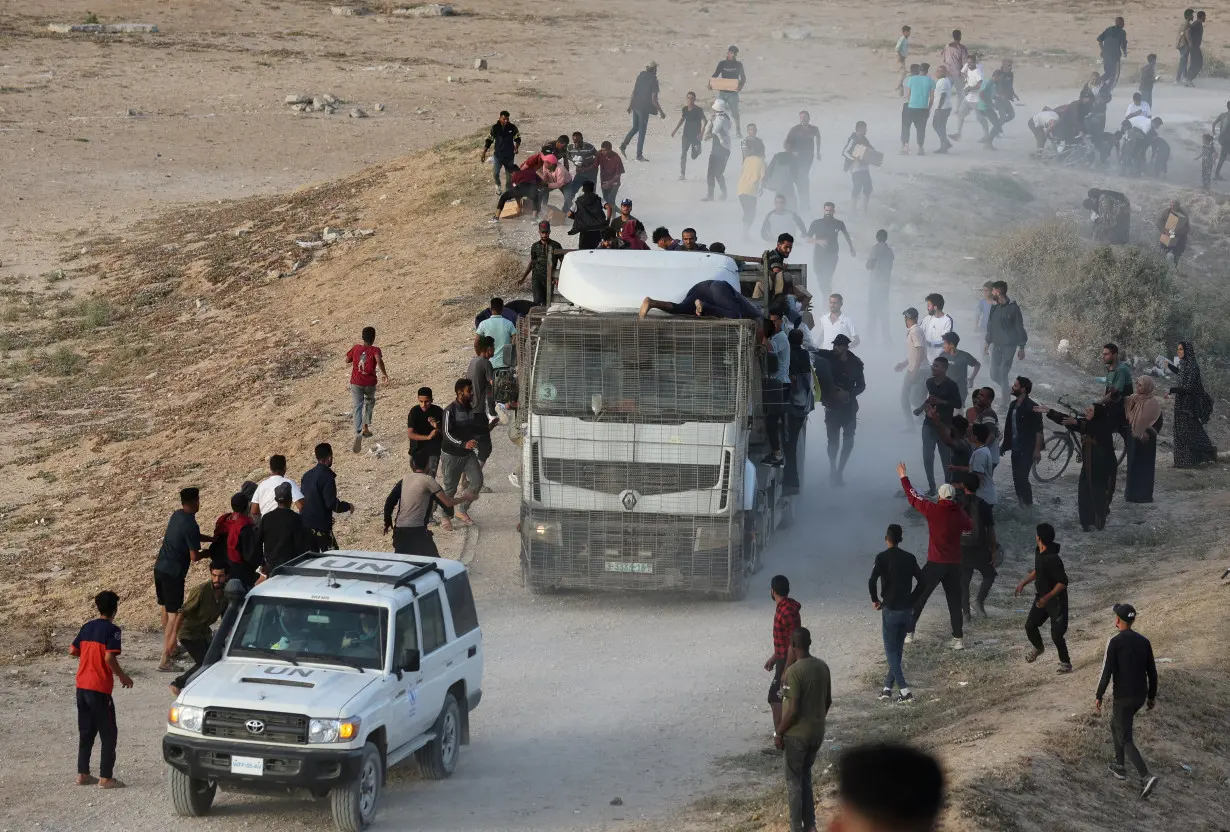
500,330
943,107
1138,107
935,325
973,84
263,499
1041,125
836,323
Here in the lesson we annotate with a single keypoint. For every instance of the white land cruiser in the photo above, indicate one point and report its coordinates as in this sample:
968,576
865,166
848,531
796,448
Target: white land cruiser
338,666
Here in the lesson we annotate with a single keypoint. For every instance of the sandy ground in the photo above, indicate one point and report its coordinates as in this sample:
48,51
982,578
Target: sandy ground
587,698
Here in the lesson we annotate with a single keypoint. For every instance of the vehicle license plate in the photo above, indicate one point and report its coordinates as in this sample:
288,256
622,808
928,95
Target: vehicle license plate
248,765
625,566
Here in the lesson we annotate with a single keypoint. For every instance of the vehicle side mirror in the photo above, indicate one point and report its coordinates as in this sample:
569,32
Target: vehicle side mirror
410,660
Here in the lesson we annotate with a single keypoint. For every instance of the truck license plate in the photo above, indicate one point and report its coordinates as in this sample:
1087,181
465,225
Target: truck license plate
248,765
625,566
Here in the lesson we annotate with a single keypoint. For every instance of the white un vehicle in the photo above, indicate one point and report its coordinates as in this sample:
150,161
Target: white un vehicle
337,667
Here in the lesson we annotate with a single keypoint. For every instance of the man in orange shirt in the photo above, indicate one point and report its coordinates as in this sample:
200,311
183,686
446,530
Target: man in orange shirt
97,647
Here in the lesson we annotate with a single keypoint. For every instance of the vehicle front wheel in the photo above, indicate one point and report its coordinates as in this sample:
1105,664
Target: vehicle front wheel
438,759
354,804
191,796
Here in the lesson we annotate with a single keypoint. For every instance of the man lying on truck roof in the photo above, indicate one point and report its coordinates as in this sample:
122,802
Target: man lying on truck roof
708,299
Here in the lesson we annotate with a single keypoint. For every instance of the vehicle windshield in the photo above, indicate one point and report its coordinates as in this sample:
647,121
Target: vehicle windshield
306,630
629,370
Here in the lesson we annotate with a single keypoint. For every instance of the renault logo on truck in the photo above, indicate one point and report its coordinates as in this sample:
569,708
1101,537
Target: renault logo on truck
628,498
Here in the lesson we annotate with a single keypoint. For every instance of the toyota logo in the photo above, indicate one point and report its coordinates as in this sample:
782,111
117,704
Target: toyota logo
628,498
254,726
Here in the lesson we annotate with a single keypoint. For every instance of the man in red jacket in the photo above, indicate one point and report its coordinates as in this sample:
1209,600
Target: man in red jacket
946,522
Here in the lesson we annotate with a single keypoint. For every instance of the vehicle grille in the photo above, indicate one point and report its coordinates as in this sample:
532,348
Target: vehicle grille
646,478
231,724
221,761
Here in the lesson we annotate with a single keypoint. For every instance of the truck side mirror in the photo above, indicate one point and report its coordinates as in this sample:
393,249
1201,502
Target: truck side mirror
410,660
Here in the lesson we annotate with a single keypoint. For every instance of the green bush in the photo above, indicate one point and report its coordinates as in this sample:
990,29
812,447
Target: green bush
1088,295
95,313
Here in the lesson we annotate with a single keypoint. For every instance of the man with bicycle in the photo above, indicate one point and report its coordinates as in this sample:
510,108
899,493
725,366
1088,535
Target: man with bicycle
1119,386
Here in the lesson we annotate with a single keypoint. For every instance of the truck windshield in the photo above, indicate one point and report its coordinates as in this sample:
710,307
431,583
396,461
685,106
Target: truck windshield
329,633
629,370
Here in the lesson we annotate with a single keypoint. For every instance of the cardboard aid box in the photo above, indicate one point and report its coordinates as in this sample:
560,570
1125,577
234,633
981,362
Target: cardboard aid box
865,154
724,84
1172,222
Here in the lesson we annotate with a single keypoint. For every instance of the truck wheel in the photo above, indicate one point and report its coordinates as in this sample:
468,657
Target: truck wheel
191,796
438,759
354,804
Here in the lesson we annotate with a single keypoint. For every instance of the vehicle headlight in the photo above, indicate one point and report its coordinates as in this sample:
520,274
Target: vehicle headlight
332,730
547,531
186,718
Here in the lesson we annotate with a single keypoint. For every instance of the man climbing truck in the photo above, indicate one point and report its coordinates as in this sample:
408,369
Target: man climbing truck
645,444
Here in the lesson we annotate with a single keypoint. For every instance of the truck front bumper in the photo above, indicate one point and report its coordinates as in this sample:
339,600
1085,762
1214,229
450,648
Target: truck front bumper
291,766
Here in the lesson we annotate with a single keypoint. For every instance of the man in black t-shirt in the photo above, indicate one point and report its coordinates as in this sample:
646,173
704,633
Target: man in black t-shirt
803,142
540,253
692,120
823,235
642,105
1050,581
280,535
423,428
731,69
181,547
942,398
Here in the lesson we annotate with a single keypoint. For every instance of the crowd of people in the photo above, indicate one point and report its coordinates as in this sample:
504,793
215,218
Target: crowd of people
809,361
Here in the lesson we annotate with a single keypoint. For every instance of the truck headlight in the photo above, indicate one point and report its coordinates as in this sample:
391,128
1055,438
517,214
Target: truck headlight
332,730
549,532
186,718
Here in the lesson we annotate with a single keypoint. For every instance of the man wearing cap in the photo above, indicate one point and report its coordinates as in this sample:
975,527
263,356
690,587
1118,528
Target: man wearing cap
946,522
1129,662
280,535
625,215
540,258
719,150
916,353
841,407
731,69
1050,581
643,104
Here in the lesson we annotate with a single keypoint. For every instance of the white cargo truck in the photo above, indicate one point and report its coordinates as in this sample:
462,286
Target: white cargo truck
643,440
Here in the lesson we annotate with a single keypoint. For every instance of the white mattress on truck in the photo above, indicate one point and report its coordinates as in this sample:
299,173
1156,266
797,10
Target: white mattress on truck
602,280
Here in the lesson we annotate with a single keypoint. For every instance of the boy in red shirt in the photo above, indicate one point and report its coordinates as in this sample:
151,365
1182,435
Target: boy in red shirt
98,648
364,360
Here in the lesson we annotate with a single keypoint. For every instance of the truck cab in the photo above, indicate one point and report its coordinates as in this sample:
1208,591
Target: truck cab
338,666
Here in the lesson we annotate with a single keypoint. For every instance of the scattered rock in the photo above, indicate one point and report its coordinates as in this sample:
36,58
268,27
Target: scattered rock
617,801
357,113
378,108
329,99
792,34
309,244
379,451
455,203
300,108
426,10
298,98
450,79
418,111
349,11
480,63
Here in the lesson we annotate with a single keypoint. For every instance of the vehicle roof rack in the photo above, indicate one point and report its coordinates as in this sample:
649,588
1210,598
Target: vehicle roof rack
295,567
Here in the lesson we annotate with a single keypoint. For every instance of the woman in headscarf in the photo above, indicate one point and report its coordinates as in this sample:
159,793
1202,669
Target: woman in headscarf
1098,468
1144,413
1192,409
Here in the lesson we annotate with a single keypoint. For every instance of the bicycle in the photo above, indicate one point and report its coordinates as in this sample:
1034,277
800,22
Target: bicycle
1062,445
